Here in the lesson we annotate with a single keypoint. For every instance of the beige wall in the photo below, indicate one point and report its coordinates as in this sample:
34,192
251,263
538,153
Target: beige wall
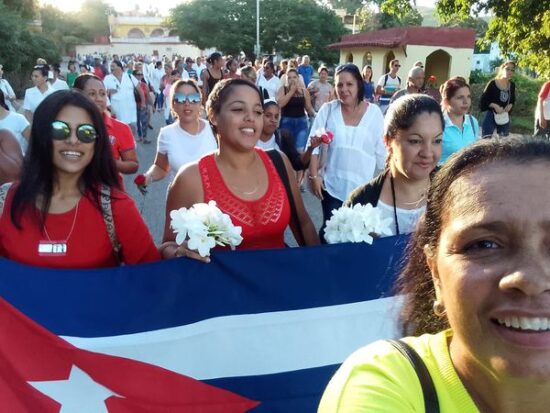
121,30
459,65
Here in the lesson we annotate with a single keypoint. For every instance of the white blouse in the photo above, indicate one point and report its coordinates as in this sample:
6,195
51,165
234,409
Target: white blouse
406,218
355,152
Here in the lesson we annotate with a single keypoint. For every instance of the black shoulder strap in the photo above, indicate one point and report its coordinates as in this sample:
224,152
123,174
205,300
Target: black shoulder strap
385,79
472,124
277,160
431,403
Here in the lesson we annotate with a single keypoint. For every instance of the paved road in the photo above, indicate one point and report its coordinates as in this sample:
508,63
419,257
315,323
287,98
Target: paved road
153,204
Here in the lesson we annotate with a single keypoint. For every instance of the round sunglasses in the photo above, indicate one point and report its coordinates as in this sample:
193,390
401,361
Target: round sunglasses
191,98
85,132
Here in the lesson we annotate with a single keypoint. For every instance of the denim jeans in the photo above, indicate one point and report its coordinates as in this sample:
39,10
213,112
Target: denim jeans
327,205
142,122
489,126
299,129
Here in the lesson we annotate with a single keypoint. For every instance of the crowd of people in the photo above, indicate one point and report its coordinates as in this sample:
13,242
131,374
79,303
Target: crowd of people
248,135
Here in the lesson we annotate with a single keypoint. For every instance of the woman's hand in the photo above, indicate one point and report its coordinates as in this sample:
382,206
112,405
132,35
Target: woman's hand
170,249
508,107
316,186
315,141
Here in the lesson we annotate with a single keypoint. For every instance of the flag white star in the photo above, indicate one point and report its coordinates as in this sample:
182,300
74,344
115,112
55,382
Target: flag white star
78,394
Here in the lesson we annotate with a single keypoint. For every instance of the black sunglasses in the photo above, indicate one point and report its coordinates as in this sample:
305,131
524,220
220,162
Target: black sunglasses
85,132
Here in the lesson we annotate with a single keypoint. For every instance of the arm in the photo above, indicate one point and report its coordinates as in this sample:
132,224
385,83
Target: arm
128,162
159,169
315,181
28,115
282,97
11,158
185,191
308,105
313,143
305,224
137,245
205,77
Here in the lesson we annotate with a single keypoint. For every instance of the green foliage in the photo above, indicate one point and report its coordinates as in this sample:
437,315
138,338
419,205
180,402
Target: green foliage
351,6
527,90
393,13
63,29
287,26
26,9
94,18
521,27
479,77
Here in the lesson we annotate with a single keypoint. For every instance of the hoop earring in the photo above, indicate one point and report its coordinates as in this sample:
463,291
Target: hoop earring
439,309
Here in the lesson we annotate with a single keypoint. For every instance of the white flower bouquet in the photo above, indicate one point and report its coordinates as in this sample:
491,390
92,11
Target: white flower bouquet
360,223
204,226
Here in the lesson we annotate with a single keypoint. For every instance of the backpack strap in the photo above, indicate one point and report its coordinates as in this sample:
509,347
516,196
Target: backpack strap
385,79
3,193
431,403
277,160
107,211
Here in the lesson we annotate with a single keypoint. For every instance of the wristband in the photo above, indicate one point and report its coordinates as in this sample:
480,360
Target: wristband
313,176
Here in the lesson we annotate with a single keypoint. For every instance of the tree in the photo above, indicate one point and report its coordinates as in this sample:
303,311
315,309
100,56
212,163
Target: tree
521,27
287,26
94,17
351,6
63,29
26,9
392,13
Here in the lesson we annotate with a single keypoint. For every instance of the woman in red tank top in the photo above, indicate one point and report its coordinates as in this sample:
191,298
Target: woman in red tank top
240,177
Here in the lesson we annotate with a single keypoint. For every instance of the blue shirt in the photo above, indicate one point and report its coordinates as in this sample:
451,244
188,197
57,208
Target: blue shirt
455,139
368,90
306,72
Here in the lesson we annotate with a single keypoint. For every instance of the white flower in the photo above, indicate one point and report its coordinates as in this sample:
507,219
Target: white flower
356,224
205,226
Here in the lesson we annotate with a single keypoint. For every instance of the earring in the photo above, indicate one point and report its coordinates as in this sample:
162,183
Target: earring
439,309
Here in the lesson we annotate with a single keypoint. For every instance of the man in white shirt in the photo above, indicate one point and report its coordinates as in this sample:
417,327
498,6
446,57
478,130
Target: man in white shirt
388,84
56,82
199,66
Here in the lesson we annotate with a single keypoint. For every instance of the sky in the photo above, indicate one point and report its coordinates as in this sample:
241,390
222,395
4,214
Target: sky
164,6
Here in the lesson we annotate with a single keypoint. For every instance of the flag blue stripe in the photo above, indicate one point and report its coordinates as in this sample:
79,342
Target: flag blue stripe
292,392
94,303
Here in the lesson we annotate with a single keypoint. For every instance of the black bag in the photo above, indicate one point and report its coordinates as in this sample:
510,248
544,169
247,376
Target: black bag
137,96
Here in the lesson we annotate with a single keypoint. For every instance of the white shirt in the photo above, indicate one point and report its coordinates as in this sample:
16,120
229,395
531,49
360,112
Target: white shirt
59,84
182,148
392,85
6,88
155,78
271,143
123,102
271,85
199,70
406,218
16,123
355,152
33,97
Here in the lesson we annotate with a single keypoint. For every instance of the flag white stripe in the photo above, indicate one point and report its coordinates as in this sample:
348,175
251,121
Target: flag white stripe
255,344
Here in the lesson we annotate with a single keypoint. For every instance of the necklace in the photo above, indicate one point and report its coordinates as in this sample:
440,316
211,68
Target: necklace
247,193
71,230
404,203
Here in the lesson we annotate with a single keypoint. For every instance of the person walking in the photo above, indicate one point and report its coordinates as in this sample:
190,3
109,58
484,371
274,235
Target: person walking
387,85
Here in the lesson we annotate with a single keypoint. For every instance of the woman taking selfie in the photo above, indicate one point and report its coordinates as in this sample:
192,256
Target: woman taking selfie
241,178
412,134
67,211
476,291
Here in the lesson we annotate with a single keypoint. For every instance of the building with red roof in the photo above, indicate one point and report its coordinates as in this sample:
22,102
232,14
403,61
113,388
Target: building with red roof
444,51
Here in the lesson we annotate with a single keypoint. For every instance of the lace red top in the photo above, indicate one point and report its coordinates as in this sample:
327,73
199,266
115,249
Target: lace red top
263,220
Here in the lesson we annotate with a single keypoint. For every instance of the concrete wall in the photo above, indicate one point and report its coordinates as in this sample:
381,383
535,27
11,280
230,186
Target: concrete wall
122,30
460,61
167,49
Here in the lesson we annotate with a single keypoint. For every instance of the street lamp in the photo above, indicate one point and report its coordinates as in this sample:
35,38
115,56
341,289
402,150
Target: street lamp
257,47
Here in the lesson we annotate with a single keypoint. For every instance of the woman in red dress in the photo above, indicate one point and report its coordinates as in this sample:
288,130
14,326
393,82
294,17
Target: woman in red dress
241,178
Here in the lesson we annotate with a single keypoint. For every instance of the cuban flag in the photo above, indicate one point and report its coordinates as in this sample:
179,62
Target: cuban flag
259,331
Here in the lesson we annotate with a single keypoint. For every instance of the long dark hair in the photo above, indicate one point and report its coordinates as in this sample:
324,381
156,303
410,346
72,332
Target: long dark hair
3,101
39,174
415,281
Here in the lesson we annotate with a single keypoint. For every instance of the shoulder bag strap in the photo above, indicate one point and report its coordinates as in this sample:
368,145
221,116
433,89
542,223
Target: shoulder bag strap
107,212
472,125
277,160
431,403
3,193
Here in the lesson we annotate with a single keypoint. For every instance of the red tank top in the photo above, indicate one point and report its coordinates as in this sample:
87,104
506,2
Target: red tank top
263,220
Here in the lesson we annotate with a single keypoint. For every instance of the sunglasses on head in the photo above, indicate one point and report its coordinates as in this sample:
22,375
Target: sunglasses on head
347,66
85,132
191,97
